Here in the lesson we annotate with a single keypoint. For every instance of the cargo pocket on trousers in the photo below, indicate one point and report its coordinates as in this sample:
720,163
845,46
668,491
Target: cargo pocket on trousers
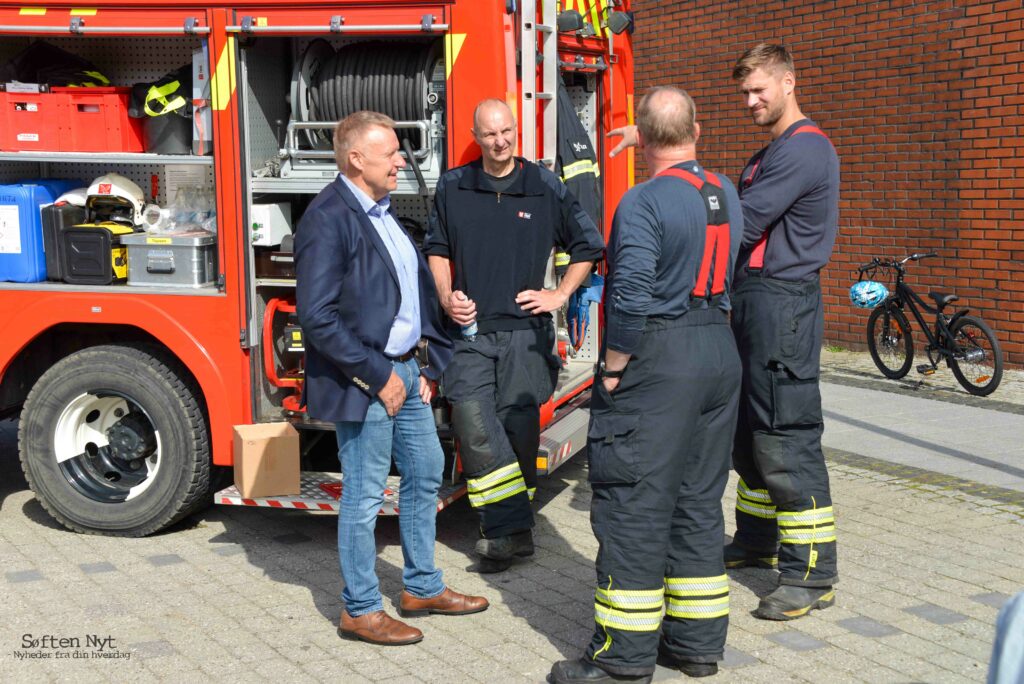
612,448
796,402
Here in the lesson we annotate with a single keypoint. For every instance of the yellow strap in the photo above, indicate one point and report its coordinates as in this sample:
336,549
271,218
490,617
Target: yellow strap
604,625
159,95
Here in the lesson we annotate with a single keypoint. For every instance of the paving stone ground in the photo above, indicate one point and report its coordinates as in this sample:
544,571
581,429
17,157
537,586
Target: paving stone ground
240,594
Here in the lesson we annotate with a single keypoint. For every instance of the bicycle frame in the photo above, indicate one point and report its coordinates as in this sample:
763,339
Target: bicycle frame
938,341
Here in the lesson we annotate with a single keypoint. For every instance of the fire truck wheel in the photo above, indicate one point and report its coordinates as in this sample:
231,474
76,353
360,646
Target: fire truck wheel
114,440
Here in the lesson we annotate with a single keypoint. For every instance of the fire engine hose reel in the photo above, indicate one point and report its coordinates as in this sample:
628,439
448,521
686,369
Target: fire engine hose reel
404,80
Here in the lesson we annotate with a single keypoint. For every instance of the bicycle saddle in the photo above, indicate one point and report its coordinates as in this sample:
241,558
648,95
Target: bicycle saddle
943,298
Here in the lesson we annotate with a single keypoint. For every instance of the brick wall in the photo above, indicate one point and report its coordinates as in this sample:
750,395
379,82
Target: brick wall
925,104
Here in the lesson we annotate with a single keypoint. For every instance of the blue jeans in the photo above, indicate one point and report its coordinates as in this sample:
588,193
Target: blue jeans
365,450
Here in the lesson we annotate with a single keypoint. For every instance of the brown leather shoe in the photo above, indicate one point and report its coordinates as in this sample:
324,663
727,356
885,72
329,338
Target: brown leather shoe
378,628
448,602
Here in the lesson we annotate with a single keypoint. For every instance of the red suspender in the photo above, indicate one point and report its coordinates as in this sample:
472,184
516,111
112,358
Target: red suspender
716,237
757,254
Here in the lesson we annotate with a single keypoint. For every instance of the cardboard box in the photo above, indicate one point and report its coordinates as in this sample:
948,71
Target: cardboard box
266,460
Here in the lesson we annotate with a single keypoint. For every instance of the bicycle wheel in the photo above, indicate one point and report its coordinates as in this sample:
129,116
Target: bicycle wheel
889,341
977,361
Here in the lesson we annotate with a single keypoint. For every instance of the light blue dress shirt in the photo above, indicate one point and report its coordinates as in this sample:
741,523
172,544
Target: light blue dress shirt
405,331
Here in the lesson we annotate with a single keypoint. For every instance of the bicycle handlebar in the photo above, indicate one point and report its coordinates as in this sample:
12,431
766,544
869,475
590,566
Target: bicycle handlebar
893,263
874,263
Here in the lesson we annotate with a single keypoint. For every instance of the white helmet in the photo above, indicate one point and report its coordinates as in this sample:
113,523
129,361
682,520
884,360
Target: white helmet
118,194
76,197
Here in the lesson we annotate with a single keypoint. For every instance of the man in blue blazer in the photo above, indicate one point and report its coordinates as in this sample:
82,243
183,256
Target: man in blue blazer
367,305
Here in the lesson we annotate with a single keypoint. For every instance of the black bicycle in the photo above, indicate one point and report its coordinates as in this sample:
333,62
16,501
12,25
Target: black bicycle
965,343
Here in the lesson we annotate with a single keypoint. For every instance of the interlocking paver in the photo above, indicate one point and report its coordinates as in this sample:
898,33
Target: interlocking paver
995,599
868,627
936,614
19,576
796,641
252,595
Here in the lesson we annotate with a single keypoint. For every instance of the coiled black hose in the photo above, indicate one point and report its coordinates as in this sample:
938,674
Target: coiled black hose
387,77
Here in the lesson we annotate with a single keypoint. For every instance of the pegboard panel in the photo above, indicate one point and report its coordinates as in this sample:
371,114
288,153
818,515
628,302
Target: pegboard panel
411,206
140,174
589,349
124,59
11,172
268,68
584,101
10,46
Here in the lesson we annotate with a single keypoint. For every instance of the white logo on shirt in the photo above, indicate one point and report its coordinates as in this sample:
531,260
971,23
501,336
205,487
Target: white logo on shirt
713,203
524,215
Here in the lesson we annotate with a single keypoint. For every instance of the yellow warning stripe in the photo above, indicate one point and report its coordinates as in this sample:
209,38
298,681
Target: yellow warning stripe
32,11
84,12
222,82
452,47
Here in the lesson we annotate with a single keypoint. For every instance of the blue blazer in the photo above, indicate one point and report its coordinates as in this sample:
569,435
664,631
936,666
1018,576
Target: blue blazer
347,297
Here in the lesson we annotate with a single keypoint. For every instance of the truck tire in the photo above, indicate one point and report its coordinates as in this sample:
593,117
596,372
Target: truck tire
114,440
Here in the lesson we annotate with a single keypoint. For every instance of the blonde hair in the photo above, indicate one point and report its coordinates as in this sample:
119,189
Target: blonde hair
352,127
767,56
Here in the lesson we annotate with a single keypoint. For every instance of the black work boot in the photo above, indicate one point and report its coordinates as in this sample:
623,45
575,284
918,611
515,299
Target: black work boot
789,602
583,671
504,548
689,668
737,556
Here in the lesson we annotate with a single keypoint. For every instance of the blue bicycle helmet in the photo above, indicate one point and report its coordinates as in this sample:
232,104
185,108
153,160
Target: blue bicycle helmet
867,294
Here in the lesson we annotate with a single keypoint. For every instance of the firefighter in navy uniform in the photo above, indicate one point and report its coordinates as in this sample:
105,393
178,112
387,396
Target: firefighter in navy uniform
790,196
492,229
663,413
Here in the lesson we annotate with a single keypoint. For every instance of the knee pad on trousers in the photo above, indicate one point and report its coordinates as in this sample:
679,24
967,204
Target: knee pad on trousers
778,469
475,447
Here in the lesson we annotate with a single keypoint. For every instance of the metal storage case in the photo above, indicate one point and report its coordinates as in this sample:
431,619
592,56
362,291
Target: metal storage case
172,259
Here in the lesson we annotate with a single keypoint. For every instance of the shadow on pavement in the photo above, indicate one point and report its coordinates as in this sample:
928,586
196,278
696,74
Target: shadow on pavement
760,581
299,548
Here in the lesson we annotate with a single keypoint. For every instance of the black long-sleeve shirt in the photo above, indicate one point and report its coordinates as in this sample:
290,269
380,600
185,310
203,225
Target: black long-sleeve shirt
499,242
791,189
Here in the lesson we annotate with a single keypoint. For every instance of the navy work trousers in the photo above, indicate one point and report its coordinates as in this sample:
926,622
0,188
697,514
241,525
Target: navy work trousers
496,384
658,449
783,500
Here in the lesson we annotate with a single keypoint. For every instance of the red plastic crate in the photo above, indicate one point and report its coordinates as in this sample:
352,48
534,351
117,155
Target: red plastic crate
30,122
96,120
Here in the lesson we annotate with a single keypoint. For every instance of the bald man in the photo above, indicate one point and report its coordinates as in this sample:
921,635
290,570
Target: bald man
492,228
663,413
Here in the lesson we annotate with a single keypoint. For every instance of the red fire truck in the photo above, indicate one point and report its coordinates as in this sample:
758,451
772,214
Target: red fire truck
128,393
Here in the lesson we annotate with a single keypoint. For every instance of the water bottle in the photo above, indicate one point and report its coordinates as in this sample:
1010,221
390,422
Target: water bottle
469,330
